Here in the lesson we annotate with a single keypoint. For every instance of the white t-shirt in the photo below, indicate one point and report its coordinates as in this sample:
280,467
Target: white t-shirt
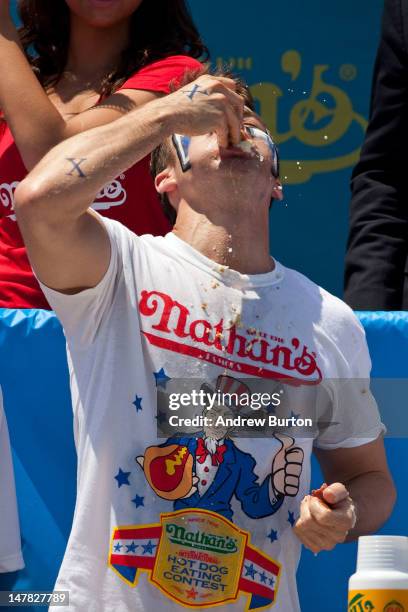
11,558
163,312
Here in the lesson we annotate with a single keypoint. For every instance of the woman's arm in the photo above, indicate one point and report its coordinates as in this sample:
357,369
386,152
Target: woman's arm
33,119
35,123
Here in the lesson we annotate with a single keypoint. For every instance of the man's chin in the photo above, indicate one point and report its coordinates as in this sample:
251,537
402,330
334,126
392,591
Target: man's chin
237,154
238,166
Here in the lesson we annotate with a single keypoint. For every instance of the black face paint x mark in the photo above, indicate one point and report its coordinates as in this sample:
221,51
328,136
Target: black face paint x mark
76,166
190,93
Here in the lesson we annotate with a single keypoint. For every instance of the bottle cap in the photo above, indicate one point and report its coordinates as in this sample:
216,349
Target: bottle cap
382,553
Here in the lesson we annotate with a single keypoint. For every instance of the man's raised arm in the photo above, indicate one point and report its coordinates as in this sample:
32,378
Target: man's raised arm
67,245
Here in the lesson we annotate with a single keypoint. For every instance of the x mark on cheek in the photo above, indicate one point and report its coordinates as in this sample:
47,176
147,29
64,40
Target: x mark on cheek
76,166
190,93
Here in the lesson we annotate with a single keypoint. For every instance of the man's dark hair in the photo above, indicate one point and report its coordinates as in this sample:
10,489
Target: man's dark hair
164,154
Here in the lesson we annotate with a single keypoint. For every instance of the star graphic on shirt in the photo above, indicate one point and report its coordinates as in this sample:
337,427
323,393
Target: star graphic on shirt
122,478
191,594
270,409
291,518
138,501
271,581
263,577
149,547
138,403
131,547
273,535
161,378
118,547
250,570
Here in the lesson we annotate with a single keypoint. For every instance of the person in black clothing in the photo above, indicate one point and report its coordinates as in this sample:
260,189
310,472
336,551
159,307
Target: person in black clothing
376,272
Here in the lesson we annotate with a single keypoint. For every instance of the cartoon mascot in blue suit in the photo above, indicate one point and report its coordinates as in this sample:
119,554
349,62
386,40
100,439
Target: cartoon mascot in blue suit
207,471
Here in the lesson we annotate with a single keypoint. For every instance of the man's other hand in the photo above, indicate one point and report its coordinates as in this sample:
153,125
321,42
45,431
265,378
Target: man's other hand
325,520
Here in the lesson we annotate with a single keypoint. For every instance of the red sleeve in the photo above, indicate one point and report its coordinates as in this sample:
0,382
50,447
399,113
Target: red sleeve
158,76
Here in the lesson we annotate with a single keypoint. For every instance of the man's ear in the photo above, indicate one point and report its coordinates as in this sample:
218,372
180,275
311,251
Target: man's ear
165,181
277,192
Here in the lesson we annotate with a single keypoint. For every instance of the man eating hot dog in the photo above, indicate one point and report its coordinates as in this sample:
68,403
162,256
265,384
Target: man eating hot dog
208,299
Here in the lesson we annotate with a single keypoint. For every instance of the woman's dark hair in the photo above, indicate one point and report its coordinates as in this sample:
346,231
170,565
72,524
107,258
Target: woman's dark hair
159,28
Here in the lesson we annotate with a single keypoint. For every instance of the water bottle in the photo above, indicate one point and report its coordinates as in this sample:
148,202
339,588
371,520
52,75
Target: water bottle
381,580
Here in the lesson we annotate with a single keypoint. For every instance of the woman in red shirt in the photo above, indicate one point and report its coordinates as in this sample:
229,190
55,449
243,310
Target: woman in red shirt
74,65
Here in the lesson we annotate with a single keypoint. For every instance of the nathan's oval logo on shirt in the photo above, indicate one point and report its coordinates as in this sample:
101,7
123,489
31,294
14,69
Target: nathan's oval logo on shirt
207,541
250,351
113,194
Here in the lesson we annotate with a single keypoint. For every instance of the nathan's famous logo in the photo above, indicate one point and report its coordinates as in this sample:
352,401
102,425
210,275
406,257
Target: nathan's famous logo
322,116
360,603
200,539
112,194
266,356
198,576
